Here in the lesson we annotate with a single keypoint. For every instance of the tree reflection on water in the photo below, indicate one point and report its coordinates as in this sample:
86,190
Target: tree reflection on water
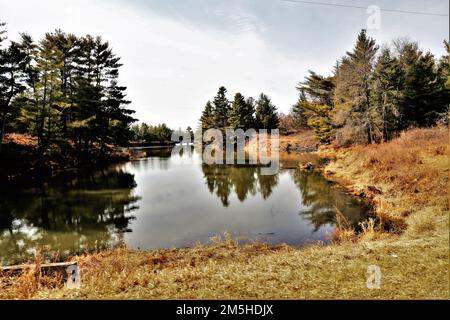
322,200
319,198
83,211
71,214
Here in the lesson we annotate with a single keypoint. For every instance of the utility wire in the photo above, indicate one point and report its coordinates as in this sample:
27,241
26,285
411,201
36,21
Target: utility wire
364,8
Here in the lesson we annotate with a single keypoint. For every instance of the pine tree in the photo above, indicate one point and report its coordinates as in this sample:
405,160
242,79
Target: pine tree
12,80
353,87
221,109
119,118
266,113
444,66
248,120
316,105
424,95
386,95
66,48
28,103
64,89
298,112
237,116
48,92
444,81
207,118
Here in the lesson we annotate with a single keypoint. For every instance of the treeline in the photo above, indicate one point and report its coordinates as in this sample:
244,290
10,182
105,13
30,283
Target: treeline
375,93
64,91
241,113
148,133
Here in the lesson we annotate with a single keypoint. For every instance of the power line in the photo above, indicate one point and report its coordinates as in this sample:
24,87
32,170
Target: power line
364,8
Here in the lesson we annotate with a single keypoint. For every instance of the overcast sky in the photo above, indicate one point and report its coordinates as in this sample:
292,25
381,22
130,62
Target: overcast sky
176,53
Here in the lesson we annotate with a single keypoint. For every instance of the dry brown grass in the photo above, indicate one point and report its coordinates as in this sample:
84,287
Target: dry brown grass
20,139
304,138
408,239
28,282
228,271
404,176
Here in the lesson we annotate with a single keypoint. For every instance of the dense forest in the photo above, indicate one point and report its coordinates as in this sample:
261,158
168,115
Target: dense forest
374,93
63,91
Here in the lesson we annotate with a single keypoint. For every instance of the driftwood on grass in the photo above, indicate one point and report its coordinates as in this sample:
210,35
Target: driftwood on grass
42,266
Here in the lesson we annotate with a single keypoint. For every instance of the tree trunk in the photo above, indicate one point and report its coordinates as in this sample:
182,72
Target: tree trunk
385,128
369,135
5,112
42,120
2,133
49,124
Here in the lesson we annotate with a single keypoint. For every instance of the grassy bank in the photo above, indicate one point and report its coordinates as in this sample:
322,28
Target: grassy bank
408,238
407,180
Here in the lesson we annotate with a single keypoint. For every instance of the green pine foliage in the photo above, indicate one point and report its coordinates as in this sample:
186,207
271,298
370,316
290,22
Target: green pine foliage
207,118
243,113
12,80
221,109
315,105
353,88
386,94
425,97
266,113
298,112
66,93
373,95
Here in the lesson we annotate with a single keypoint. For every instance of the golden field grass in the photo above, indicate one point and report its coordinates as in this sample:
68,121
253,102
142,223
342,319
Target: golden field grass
304,138
407,179
408,238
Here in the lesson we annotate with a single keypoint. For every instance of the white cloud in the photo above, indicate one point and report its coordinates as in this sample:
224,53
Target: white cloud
171,68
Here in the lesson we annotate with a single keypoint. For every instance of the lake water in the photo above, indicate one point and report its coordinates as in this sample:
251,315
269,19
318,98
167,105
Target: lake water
165,201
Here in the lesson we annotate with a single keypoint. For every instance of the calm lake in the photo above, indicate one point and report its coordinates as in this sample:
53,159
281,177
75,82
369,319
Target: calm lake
165,201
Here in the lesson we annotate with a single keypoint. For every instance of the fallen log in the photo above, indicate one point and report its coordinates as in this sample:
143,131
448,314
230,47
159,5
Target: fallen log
42,266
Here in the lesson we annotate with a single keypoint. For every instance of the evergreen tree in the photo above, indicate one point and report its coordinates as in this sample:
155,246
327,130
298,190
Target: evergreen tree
266,113
28,104
241,113
353,88
221,109
316,105
298,112
248,114
370,99
387,92
207,118
64,90
444,66
119,118
444,80
53,88
73,94
12,82
425,98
